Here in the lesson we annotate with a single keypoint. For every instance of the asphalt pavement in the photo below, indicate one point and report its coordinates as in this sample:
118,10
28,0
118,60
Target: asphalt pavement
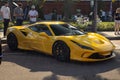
25,65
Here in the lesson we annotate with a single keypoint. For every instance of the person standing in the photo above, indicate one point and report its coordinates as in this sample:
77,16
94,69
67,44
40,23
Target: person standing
26,10
18,13
103,15
1,55
33,14
1,19
5,11
54,14
117,21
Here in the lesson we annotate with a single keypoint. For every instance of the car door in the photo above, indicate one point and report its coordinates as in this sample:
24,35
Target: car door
46,38
38,42
35,41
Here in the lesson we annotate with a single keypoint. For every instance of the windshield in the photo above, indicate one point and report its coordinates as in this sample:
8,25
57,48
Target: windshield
65,29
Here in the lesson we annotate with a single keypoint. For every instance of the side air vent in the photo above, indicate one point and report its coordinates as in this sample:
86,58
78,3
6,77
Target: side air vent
24,33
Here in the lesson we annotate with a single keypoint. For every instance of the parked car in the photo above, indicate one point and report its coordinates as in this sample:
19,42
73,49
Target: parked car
60,40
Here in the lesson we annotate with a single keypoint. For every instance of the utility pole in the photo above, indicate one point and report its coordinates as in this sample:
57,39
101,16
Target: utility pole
68,9
94,22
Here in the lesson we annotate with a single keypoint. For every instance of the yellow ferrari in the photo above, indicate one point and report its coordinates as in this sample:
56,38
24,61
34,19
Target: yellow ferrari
61,40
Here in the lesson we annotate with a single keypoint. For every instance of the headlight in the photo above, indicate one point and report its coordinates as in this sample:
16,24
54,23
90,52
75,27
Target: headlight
82,46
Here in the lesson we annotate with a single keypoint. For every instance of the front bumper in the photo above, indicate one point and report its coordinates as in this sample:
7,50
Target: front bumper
100,56
96,58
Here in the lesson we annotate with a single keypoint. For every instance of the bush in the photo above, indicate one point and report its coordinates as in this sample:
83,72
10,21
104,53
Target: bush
1,25
12,24
105,26
101,26
80,26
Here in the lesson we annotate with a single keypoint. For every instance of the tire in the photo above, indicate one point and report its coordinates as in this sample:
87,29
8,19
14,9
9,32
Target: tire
61,51
12,41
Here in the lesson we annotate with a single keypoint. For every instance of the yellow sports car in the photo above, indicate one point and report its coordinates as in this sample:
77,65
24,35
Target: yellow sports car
61,40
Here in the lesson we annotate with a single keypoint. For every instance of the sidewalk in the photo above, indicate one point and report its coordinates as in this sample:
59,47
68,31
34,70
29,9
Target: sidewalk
108,34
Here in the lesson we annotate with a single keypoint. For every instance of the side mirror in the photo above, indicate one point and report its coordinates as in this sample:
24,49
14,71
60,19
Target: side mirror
82,30
43,34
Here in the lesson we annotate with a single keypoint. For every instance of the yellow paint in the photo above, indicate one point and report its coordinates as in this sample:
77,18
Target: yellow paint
44,43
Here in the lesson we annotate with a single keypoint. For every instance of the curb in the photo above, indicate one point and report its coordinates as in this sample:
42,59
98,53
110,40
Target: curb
110,35
3,40
113,38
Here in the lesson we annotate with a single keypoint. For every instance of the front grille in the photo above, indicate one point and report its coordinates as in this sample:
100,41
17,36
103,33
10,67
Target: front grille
99,56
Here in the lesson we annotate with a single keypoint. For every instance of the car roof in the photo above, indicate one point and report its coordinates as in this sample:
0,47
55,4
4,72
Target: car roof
40,22
51,22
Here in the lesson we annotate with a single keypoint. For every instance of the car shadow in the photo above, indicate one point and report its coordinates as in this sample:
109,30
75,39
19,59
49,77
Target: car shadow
39,62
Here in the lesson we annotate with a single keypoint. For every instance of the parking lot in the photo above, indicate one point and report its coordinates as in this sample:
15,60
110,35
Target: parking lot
27,65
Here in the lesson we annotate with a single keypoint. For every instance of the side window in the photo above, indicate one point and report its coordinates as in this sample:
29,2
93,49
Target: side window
44,28
34,28
40,28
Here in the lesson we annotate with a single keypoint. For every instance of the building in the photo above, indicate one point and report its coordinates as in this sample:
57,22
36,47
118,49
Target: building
84,6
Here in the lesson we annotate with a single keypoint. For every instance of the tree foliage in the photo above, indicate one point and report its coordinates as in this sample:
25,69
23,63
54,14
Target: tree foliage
39,3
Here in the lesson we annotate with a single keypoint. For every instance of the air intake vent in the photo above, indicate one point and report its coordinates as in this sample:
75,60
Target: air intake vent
24,33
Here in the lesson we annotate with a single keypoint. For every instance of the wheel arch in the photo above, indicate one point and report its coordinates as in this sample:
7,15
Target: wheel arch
67,55
16,32
11,37
63,42
59,41
12,34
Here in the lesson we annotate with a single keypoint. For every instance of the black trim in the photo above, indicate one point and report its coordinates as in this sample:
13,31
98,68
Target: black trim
99,56
24,33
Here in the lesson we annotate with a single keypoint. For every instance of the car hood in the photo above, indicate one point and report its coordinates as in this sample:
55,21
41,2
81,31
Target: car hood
93,40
